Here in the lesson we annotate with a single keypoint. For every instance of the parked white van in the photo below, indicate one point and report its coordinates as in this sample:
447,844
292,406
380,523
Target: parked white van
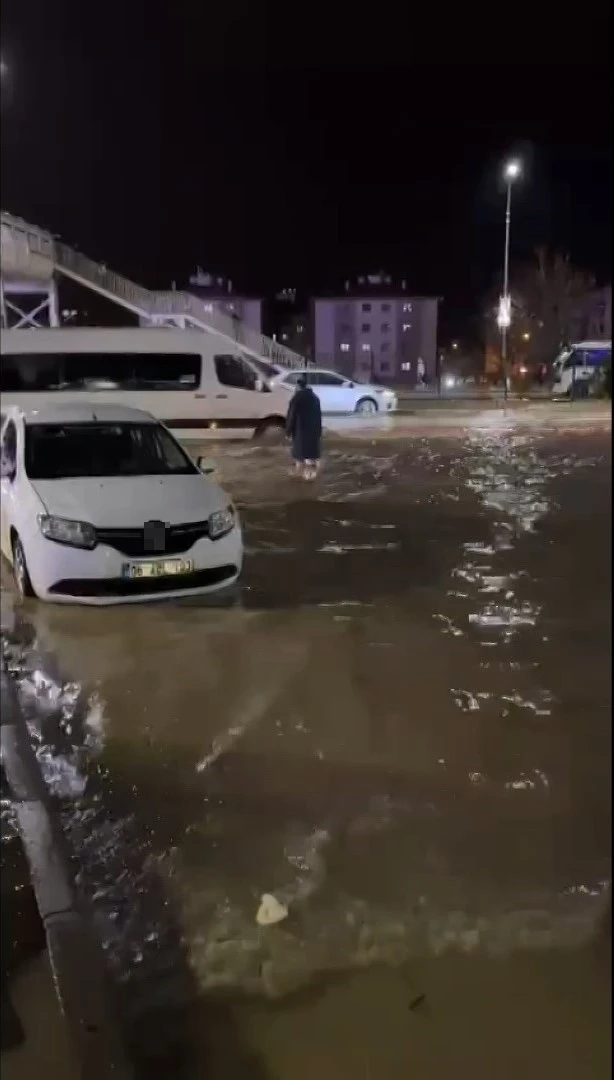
190,380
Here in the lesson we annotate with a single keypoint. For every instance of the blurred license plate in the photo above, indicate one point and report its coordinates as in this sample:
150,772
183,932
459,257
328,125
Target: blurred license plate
159,568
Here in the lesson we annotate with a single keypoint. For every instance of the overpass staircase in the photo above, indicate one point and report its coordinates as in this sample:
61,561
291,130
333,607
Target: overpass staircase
32,259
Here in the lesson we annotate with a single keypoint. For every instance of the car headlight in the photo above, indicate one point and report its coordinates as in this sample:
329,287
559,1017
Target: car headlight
73,533
221,522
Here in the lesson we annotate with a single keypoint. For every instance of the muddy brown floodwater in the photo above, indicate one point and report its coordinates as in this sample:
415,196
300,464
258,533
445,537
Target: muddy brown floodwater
400,728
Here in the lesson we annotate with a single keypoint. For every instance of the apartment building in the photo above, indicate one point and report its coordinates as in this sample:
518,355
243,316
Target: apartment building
389,338
217,293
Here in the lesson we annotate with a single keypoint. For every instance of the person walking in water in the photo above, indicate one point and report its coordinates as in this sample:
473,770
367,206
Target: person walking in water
304,428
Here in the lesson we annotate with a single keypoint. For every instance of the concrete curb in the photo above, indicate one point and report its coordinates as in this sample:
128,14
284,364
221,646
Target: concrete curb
77,962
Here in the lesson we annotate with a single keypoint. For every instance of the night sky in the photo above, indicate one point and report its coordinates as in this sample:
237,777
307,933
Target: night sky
300,145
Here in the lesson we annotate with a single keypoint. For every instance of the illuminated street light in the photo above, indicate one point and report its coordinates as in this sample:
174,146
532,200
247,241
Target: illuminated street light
511,172
455,344
526,336
504,313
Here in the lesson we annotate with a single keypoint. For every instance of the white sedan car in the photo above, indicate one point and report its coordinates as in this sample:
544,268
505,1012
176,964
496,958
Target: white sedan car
100,505
336,393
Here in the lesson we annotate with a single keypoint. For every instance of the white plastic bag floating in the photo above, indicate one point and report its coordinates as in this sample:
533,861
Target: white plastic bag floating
271,911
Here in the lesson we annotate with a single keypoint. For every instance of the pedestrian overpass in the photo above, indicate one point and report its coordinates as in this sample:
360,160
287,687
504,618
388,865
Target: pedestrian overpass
32,260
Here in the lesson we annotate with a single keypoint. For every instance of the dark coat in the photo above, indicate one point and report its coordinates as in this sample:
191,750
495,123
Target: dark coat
304,425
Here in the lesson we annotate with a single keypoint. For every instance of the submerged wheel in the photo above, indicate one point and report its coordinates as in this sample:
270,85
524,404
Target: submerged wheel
20,569
271,429
366,406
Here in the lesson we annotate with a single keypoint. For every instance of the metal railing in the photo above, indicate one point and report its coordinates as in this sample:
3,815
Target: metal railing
199,313
79,266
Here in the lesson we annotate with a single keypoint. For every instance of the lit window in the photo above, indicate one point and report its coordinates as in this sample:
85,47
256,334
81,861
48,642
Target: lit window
208,307
344,346
407,307
406,326
406,366
366,326
366,348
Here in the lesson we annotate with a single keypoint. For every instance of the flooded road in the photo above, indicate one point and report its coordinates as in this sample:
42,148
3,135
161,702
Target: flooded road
400,728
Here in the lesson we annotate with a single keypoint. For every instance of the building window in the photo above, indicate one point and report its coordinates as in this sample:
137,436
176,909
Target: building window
406,366
366,307
385,346
344,346
385,307
407,307
406,326
366,347
365,328
385,328
384,366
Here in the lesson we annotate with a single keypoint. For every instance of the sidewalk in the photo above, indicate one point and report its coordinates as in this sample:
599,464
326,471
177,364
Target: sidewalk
46,1050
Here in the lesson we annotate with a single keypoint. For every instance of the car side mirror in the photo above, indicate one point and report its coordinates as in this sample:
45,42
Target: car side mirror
206,466
7,469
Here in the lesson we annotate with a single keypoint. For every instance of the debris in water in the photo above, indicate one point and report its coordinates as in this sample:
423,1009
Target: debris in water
271,911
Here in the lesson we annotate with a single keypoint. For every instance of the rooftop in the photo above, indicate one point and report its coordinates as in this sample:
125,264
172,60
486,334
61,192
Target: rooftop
81,412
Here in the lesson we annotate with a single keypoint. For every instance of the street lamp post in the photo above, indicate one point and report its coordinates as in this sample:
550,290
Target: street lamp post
511,172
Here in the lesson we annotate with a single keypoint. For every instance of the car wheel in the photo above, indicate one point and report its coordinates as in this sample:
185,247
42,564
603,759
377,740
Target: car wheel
20,569
366,406
270,430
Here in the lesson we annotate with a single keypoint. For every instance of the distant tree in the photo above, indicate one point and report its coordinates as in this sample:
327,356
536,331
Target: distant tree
547,295
550,292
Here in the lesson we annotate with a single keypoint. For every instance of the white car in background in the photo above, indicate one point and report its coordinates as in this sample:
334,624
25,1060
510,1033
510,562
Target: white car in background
101,505
337,394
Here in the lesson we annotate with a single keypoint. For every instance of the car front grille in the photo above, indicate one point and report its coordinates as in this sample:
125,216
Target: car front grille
175,540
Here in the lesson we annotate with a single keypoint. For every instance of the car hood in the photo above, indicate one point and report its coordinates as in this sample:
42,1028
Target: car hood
128,501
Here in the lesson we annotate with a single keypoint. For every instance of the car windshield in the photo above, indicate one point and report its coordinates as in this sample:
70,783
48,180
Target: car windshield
61,451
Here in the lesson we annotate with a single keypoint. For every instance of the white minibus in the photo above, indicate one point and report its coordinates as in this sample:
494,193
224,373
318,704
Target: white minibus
192,381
